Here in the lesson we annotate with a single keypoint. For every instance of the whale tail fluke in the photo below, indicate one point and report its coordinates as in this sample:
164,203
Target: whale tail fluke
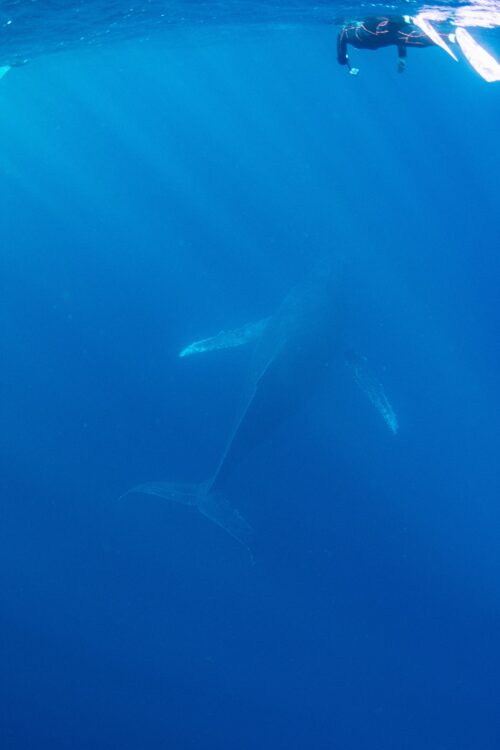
215,507
175,492
212,505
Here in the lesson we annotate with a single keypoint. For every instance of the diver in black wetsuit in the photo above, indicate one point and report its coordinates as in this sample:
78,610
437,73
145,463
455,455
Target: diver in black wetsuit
381,31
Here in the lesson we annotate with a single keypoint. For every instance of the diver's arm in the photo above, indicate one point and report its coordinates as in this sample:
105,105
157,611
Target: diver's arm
342,56
401,57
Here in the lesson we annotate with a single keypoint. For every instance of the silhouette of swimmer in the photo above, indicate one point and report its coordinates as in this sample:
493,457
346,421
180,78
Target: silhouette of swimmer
375,32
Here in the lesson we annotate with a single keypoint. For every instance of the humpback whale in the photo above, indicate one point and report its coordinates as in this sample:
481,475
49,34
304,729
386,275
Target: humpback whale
294,351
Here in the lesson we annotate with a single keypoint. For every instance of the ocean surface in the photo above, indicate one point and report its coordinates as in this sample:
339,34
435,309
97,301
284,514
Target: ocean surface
170,170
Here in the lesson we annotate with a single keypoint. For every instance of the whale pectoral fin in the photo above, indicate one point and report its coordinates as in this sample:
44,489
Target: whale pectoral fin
373,389
227,339
4,69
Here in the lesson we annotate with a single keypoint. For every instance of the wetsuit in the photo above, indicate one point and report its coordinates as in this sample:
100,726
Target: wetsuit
381,31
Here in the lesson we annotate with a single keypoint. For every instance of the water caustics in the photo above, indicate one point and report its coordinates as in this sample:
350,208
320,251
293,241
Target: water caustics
31,28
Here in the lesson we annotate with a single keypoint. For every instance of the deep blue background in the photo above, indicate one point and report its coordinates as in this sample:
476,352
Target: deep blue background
151,194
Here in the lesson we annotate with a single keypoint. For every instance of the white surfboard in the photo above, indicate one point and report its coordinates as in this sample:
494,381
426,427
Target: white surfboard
482,62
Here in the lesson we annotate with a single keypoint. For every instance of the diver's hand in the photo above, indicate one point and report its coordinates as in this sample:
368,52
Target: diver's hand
354,71
401,66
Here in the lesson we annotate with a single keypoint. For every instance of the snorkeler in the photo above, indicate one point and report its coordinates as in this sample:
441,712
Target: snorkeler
382,31
403,31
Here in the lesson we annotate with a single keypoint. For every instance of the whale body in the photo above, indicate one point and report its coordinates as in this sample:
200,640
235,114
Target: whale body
295,350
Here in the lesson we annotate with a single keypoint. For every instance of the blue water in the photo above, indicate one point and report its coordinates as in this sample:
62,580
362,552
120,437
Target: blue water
165,185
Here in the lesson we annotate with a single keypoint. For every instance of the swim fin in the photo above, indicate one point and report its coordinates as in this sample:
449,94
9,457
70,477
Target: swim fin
431,32
482,62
